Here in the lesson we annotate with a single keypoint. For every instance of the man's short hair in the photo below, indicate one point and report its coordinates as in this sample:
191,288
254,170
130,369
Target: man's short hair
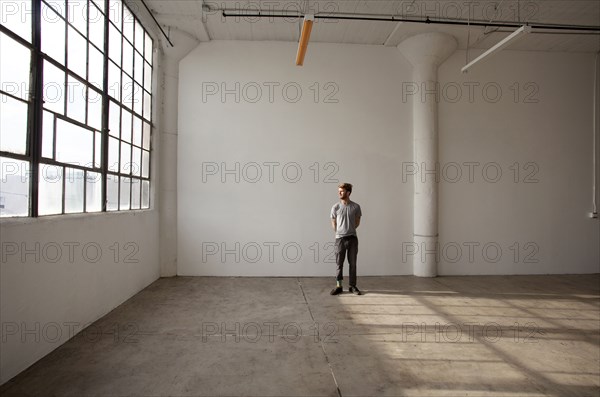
346,186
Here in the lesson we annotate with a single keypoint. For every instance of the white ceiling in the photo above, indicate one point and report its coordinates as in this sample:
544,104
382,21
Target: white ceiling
208,24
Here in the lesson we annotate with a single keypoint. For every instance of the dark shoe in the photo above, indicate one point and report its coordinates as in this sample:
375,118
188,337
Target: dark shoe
354,290
336,291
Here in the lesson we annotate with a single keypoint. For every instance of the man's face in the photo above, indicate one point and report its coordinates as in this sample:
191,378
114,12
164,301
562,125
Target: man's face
343,193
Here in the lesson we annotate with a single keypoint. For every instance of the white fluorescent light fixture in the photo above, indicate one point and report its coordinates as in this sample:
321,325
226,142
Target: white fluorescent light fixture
514,36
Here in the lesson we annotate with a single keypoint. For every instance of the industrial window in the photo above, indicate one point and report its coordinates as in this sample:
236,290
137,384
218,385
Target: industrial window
76,100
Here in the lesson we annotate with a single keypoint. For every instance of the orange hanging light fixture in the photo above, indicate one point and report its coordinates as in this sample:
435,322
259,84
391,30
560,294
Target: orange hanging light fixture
304,38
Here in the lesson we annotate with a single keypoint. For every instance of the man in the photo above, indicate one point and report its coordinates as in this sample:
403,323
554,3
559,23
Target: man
345,218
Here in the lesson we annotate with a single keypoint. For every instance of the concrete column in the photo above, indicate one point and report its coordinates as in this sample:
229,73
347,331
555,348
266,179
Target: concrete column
426,52
168,88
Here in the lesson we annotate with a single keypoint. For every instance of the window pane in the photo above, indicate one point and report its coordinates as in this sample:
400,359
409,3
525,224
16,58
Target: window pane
145,194
93,193
145,164
146,140
147,77
13,125
114,119
15,64
125,158
50,189
94,109
126,125
127,98
16,16
114,81
137,98
98,148
136,165
112,192
128,22
77,54
135,194
54,88
148,51
137,131
114,45
14,187
76,99
138,68
113,154
96,72
53,34
74,144
73,190
139,37
127,58
48,135
125,192
77,10
96,26
115,12
147,106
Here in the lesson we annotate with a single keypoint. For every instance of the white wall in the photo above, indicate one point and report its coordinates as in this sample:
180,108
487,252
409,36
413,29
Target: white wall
47,298
365,136
539,133
60,273
368,135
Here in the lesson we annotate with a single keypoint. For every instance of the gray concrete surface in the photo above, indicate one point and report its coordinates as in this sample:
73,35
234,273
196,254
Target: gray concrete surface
407,336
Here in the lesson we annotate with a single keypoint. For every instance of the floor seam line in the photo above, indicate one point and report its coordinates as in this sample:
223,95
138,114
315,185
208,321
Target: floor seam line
337,387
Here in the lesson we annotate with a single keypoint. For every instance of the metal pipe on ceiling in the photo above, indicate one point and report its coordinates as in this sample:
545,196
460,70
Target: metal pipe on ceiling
157,24
427,20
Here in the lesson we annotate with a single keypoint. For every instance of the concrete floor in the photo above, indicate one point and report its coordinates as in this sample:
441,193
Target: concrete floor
407,336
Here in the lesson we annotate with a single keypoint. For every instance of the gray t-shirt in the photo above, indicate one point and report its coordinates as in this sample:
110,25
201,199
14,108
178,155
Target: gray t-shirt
345,216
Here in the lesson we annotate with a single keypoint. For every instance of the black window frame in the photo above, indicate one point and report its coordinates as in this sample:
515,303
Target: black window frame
36,109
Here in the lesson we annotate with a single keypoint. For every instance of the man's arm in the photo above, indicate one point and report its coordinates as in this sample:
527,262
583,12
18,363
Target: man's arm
334,224
357,222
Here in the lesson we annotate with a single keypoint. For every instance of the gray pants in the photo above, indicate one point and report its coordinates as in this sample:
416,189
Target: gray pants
343,245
